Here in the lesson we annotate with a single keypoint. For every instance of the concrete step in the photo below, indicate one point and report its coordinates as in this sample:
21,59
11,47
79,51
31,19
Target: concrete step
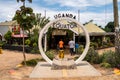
63,64
43,70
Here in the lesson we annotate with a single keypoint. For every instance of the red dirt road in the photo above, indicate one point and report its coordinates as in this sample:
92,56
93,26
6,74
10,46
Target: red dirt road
8,70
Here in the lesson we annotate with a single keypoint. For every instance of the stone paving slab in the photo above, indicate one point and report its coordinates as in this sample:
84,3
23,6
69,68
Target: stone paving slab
43,70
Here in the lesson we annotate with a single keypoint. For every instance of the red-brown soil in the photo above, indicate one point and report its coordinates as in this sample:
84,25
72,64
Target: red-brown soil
10,59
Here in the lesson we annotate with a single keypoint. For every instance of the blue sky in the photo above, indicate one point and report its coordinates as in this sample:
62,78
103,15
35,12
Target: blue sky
100,11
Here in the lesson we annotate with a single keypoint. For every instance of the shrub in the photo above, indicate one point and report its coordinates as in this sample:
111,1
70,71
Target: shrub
27,42
8,37
34,44
112,58
50,54
2,43
15,44
109,57
106,65
35,48
117,58
99,42
93,44
35,51
32,62
81,49
34,37
92,56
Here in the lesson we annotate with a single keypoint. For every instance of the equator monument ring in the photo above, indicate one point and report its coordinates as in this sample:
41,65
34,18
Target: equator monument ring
43,31
58,68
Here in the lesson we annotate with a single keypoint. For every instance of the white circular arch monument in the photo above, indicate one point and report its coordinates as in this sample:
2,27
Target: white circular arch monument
42,32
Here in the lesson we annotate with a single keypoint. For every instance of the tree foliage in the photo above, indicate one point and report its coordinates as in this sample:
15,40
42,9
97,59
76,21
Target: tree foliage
109,27
25,17
34,36
41,21
7,36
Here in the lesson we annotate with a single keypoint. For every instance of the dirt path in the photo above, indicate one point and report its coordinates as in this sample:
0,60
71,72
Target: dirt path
12,58
8,62
101,51
8,70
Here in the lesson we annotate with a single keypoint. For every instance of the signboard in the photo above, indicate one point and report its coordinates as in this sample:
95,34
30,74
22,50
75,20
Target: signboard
64,24
62,15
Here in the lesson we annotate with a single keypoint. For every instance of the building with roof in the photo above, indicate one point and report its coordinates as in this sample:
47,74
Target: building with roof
96,34
12,26
6,26
92,29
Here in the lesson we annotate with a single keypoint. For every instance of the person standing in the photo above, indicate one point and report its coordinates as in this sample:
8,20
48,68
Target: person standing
61,51
71,46
61,44
76,47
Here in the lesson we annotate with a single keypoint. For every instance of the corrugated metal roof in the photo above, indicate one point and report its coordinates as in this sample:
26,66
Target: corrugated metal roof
8,23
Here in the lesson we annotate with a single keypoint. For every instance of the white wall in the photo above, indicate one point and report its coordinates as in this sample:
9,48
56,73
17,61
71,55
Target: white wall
4,30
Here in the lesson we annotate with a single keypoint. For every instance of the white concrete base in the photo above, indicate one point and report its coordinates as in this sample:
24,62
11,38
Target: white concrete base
43,70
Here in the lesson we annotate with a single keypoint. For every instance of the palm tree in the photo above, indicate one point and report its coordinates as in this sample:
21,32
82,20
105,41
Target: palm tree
116,24
41,21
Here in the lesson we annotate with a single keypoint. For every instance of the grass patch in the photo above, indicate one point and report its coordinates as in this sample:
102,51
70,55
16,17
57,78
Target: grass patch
32,62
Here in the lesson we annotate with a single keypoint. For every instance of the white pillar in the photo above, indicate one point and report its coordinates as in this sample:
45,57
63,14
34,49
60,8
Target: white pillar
45,42
74,39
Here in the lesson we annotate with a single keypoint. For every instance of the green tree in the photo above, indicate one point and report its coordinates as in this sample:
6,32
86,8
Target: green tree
8,37
41,21
34,36
109,27
26,19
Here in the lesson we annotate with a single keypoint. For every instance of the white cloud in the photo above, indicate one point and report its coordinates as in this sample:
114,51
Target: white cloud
98,18
79,3
7,10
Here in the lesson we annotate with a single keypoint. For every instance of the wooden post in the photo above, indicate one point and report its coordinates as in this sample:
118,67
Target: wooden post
24,48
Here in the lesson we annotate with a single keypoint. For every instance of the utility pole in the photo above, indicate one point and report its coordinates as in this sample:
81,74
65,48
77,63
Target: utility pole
116,25
45,38
78,15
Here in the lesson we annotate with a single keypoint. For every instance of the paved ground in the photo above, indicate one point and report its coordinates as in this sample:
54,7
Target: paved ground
82,69
10,59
